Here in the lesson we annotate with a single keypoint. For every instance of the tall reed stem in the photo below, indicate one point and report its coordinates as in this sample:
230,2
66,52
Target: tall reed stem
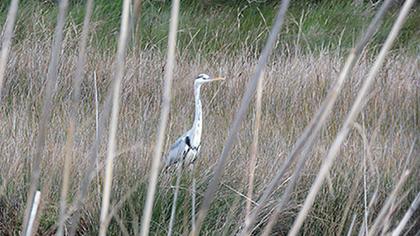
306,139
251,86
175,199
166,102
77,80
355,110
112,142
7,40
46,109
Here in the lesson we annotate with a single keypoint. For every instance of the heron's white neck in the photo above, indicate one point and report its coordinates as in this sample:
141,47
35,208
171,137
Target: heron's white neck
198,109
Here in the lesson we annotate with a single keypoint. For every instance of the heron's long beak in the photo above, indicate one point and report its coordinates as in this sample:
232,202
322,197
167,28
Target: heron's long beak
217,78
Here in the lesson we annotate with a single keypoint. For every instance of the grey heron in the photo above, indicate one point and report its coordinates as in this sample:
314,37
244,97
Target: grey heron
186,148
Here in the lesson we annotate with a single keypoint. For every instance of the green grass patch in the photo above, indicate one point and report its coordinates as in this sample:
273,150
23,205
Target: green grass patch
208,28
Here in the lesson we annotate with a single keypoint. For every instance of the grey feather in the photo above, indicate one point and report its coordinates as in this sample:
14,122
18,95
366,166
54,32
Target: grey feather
177,151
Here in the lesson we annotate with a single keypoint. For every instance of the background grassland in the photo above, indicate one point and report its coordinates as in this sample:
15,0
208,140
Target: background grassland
227,26
212,40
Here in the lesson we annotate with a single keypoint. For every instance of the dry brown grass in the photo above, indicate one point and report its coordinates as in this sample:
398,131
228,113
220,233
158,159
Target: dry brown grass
386,137
294,88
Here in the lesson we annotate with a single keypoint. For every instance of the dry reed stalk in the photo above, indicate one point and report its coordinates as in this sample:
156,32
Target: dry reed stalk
119,67
250,89
383,218
34,212
306,139
77,80
193,195
120,223
7,40
136,20
388,204
92,169
93,165
413,207
362,132
351,198
44,191
95,86
254,147
75,207
295,178
356,108
386,221
4,53
349,233
239,194
288,191
117,206
166,103
175,198
134,216
230,216
46,109
363,226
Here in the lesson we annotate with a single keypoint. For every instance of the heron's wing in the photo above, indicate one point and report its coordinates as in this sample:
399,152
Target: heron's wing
176,151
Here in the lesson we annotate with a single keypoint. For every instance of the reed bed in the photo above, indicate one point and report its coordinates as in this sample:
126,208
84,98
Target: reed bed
373,183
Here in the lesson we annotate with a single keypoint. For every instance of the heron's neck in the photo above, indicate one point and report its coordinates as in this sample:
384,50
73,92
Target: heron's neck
198,110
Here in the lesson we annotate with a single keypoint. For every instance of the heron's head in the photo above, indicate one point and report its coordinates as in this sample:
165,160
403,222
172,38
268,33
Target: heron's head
204,78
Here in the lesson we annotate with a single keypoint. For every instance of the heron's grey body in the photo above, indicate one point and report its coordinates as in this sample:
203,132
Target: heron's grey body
186,148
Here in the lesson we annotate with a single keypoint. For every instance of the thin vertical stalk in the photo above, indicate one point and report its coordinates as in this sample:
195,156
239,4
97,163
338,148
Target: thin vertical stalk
351,199
77,80
356,108
166,103
46,109
119,67
306,139
413,207
95,86
193,197
136,20
254,147
91,170
93,159
289,189
34,211
388,203
361,130
251,87
175,199
7,40
119,204
349,233
365,203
